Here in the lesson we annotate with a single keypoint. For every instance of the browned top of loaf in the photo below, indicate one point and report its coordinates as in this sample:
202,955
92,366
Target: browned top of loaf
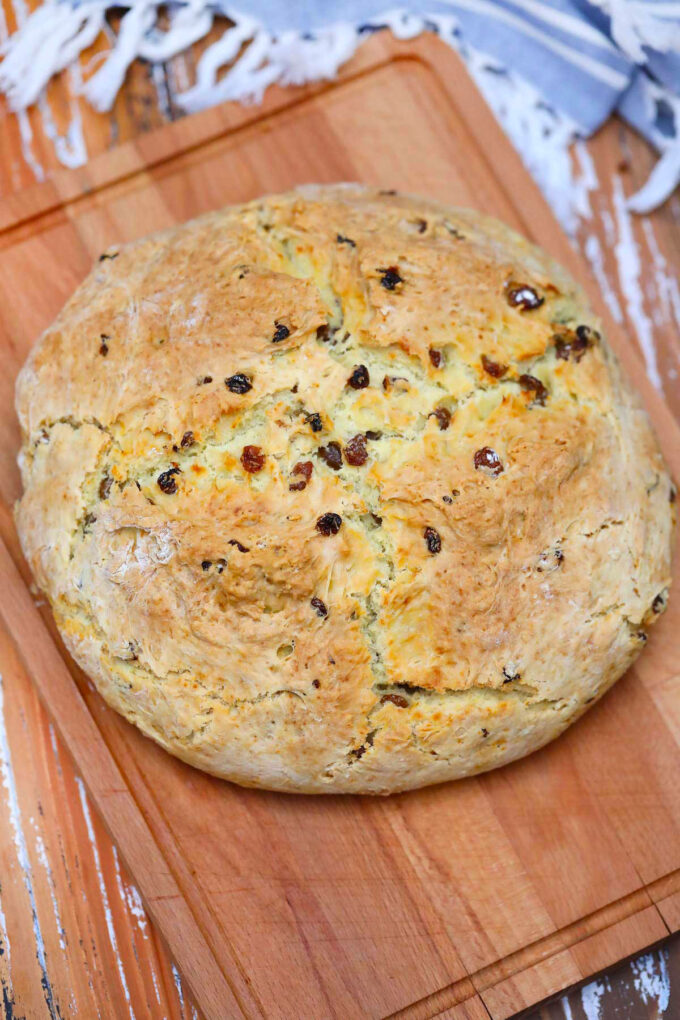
341,490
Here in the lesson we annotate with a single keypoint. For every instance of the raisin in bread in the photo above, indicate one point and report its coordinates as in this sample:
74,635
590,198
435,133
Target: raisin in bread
341,491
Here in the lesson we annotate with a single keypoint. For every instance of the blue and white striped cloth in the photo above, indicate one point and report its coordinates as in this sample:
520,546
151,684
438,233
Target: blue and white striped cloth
586,57
583,56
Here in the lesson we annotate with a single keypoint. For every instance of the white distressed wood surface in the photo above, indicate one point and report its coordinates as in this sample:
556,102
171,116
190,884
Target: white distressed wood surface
72,926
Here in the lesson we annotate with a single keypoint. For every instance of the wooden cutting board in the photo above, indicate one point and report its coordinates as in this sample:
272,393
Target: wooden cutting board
474,899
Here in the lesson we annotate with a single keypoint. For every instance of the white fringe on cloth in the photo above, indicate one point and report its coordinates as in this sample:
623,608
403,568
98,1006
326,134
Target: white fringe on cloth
635,25
55,34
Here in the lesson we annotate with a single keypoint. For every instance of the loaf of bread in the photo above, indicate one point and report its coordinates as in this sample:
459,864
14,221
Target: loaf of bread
341,491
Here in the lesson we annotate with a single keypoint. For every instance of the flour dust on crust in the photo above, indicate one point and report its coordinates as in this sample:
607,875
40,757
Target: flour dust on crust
341,491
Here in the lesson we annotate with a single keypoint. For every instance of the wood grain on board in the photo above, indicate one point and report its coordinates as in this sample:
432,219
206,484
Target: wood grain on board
477,898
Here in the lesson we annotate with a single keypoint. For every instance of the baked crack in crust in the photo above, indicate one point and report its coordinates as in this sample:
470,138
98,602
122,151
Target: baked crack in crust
341,491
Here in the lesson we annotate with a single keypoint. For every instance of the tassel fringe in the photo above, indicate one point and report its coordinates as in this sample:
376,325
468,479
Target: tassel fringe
55,34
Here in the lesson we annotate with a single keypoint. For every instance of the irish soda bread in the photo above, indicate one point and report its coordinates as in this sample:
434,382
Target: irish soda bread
341,491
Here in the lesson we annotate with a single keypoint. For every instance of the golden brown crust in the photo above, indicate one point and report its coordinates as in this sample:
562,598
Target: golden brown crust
504,518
